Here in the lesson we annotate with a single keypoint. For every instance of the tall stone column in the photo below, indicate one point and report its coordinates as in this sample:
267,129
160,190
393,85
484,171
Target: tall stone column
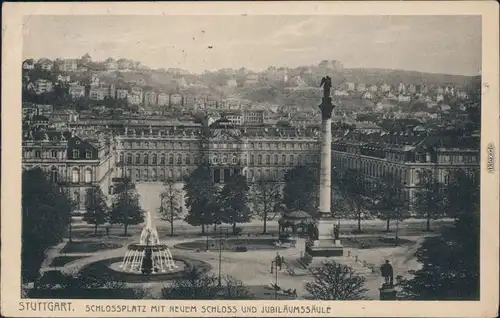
323,243
325,180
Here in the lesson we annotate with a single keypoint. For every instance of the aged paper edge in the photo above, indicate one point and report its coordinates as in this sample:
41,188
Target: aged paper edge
12,30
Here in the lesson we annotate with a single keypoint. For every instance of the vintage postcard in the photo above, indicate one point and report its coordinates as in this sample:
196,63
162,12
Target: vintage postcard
260,159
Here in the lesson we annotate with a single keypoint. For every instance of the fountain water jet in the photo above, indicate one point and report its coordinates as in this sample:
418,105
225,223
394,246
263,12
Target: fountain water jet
149,256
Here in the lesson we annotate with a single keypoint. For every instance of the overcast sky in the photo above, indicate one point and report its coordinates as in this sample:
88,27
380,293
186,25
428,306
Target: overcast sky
438,44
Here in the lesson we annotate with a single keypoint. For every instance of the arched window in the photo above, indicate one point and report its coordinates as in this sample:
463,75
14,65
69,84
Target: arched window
155,159
234,159
178,174
299,159
129,158
276,159
137,174
162,174
162,159
75,175
53,174
88,175
171,159
259,174
146,159
268,159
138,159
179,159
146,174
153,174
129,173
291,159
195,159
252,157
283,159
251,175
259,159
187,159
170,174
121,157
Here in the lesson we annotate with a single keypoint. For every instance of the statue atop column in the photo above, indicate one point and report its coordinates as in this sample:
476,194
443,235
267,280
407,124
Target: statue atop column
326,82
326,104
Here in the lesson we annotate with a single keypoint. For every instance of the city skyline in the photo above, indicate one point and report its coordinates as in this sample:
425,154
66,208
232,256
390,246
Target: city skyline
433,44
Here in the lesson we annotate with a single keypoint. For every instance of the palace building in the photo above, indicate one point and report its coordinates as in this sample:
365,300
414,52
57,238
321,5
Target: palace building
405,156
72,162
157,154
94,155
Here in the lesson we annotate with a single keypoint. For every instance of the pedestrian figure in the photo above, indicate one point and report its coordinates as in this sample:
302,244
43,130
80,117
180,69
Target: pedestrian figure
107,230
387,273
278,261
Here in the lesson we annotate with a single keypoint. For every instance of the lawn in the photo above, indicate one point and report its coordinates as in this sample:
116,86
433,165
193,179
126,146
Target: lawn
373,242
60,261
88,247
252,244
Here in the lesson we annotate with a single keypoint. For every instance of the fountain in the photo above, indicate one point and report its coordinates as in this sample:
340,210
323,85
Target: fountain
149,256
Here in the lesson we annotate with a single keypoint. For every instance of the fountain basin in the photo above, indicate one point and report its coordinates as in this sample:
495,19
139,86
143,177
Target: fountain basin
110,269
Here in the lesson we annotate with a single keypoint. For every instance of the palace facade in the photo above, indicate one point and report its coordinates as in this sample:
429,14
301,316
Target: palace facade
93,156
157,154
73,162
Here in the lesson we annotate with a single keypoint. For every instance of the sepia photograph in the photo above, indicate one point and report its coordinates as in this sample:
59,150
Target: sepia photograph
290,157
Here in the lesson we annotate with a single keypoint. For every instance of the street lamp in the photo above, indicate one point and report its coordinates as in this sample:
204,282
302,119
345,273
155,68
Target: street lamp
274,266
220,239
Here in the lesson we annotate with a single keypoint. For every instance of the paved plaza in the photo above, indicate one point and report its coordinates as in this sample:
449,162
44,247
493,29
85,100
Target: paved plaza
253,268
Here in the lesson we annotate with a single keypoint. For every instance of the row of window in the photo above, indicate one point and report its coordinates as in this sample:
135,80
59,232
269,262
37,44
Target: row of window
38,154
187,159
195,145
75,175
371,169
179,174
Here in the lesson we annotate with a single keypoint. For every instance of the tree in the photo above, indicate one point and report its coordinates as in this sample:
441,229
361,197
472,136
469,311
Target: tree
339,208
301,189
170,207
389,199
233,201
450,263
462,193
352,187
46,214
233,289
334,281
200,192
197,284
264,197
96,208
126,209
429,200
201,284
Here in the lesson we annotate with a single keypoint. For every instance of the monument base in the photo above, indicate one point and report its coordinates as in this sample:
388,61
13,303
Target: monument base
387,292
324,248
